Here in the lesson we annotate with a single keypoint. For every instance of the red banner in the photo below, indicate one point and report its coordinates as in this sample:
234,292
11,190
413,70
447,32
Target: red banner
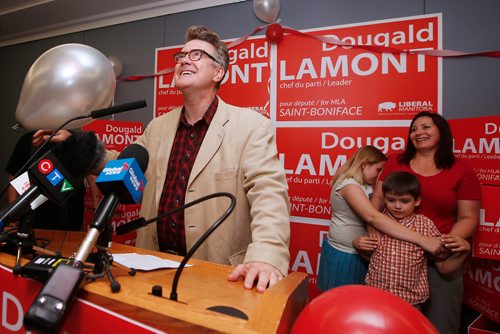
17,295
305,251
319,81
482,287
477,141
116,135
312,156
248,71
486,239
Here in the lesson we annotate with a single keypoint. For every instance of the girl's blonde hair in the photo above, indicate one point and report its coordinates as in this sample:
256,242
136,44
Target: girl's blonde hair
353,167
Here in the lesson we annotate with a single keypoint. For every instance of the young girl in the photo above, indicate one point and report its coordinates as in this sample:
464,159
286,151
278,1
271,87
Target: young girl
340,263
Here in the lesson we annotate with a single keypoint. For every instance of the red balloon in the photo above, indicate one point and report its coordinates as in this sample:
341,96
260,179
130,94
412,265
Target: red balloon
361,309
274,33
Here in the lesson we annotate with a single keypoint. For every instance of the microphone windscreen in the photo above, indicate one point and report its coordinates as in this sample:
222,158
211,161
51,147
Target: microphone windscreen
80,154
137,152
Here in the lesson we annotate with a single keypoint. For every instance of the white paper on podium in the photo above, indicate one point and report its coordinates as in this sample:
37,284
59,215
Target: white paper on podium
145,262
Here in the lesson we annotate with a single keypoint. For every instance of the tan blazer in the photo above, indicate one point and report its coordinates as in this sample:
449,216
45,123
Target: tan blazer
239,156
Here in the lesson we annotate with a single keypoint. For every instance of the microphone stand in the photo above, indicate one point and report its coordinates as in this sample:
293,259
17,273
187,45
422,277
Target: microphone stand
141,222
103,260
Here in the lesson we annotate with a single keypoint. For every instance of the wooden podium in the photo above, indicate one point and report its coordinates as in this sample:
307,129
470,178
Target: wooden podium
201,287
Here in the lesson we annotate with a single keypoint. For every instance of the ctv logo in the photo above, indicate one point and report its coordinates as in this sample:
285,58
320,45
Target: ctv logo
45,166
54,176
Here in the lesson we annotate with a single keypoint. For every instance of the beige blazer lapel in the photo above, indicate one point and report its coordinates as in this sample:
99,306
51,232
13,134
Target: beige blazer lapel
211,143
168,130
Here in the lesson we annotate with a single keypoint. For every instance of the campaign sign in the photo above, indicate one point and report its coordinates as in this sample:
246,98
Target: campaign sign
477,141
115,135
125,175
482,287
312,156
319,81
248,71
123,215
486,238
17,294
305,250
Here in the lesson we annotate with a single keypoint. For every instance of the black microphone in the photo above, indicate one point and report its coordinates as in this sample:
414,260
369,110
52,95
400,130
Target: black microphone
50,307
141,222
94,114
118,109
57,173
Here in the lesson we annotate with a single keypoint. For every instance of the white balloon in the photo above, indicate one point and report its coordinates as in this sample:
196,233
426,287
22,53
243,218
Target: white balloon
116,63
266,10
66,81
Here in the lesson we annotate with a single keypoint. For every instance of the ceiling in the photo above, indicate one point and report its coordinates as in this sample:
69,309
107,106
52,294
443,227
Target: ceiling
27,20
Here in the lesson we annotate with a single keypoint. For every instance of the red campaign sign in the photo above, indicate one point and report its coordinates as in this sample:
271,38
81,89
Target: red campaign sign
248,71
477,141
305,250
310,164
482,287
167,97
318,81
123,215
115,135
486,238
18,293
483,325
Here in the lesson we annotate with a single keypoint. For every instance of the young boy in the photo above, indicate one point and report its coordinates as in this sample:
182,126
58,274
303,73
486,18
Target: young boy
400,267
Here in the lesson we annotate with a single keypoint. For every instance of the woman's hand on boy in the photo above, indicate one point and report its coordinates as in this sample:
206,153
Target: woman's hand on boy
365,243
455,244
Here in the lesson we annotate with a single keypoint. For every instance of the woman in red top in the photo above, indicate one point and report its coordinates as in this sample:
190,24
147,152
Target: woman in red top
451,197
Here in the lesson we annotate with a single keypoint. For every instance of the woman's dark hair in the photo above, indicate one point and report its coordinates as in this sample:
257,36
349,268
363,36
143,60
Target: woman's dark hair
444,157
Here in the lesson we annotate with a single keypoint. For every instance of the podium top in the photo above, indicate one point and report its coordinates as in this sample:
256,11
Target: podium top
207,301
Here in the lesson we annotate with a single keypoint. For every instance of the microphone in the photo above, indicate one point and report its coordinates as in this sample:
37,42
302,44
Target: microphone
57,173
118,109
121,180
141,222
126,179
94,114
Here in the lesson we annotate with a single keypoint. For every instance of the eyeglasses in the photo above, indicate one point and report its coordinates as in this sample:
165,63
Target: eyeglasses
193,55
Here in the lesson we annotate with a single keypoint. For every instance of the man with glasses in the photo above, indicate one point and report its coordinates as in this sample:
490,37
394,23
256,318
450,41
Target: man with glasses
208,146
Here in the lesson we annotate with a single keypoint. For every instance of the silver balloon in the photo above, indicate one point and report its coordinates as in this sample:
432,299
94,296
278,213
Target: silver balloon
116,64
266,10
66,81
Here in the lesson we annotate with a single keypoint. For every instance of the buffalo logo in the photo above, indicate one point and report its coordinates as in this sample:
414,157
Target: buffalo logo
386,106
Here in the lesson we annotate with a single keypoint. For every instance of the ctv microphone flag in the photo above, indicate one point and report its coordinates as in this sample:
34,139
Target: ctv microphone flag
51,176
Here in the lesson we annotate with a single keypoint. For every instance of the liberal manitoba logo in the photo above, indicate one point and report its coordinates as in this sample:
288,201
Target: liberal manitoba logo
386,106
415,106
405,106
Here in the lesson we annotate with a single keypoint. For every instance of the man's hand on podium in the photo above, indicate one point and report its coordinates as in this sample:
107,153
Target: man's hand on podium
267,275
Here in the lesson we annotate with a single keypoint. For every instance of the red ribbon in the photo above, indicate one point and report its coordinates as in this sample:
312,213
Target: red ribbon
335,41
387,49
